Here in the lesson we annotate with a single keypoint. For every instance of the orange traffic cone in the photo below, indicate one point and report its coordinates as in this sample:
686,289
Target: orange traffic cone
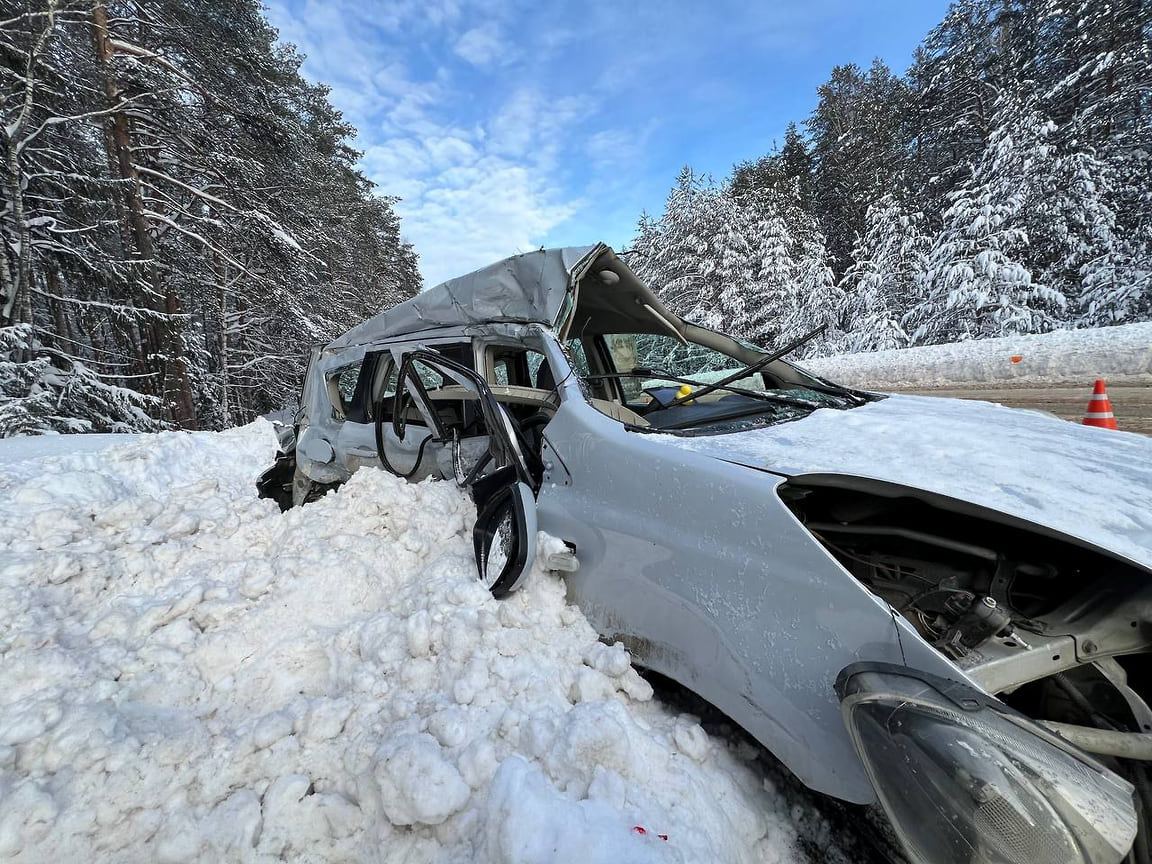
1099,411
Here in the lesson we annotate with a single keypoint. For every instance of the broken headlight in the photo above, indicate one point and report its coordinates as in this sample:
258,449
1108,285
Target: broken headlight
965,780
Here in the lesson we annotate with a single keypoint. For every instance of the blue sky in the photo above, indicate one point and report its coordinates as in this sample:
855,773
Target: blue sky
509,125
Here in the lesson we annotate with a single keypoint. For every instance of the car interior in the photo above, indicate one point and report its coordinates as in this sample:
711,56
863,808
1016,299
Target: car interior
647,367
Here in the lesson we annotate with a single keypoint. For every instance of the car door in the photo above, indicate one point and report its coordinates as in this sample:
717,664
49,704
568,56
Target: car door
498,479
355,442
418,454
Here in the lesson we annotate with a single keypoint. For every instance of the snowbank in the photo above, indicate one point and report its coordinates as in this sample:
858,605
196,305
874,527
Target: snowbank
20,448
187,674
1122,355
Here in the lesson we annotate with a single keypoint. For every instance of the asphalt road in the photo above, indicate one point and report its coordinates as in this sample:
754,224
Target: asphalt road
1131,405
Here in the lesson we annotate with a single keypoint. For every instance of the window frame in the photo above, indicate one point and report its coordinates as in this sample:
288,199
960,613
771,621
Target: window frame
340,409
490,348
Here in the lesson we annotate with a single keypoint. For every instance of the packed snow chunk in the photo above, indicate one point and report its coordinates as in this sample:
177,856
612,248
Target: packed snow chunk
592,686
233,827
324,720
271,728
531,823
691,739
612,660
615,663
28,817
416,783
594,735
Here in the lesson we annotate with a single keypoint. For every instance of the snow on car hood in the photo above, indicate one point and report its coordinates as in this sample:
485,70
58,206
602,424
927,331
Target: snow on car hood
1093,484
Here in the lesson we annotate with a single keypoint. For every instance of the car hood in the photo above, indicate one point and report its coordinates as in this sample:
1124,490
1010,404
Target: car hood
1091,484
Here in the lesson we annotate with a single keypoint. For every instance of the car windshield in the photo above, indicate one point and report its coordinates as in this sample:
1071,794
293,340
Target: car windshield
656,376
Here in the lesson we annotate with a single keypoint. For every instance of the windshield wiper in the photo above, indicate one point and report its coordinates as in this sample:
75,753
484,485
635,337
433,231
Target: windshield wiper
663,375
833,389
751,368
719,418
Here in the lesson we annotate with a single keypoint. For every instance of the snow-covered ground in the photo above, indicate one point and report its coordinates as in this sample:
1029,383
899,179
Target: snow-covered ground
186,674
20,448
1122,355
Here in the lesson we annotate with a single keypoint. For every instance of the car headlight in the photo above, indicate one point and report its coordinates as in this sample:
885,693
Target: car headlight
965,780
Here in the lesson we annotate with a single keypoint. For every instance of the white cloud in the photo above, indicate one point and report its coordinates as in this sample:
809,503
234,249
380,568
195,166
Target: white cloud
618,149
474,190
472,198
531,125
483,46
494,208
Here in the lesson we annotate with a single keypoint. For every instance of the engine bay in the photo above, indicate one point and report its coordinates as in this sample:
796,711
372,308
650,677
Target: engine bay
1009,602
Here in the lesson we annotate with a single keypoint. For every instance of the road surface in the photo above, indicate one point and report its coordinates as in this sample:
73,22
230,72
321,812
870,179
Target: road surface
1131,405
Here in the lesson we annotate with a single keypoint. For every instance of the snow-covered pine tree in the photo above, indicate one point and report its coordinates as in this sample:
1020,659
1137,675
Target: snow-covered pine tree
1111,269
819,301
881,283
776,289
957,72
758,268
786,172
859,146
731,243
977,283
1097,68
191,217
674,255
698,255
45,390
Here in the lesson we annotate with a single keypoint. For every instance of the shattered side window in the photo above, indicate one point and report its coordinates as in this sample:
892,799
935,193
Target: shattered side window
342,387
515,366
346,382
535,361
430,378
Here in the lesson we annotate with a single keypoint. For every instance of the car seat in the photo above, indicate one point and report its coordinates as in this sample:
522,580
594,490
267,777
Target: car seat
545,380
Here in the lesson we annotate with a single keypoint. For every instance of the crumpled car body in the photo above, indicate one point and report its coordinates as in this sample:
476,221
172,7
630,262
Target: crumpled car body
940,606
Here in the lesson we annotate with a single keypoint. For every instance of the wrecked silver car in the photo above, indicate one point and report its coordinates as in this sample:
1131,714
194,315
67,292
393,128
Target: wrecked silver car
885,592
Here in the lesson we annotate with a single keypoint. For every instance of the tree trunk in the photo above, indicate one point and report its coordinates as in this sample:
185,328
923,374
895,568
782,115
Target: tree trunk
17,306
222,337
7,286
12,312
166,334
55,306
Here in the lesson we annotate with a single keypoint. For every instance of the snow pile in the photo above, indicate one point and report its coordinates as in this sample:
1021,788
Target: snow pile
188,675
1122,354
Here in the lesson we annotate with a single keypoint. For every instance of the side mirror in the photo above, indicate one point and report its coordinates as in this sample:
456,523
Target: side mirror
505,538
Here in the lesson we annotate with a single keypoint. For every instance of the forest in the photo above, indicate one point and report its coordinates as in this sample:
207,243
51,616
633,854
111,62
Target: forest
183,213
1002,185
182,216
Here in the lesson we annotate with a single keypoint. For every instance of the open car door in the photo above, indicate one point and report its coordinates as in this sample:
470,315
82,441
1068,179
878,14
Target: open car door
498,479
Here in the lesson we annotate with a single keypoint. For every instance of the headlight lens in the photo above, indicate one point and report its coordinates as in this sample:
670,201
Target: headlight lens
965,783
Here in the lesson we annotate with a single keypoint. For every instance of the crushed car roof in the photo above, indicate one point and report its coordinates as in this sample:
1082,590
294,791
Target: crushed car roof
524,288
